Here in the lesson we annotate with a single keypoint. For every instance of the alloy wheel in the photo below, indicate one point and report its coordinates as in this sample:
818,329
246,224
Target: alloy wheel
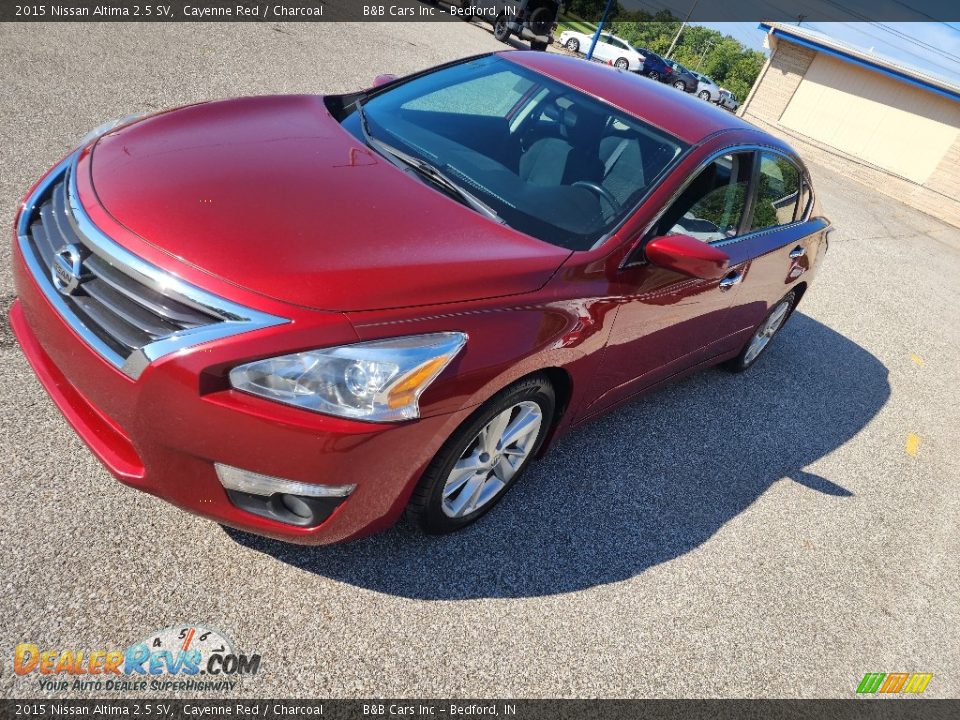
768,328
491,459
622,64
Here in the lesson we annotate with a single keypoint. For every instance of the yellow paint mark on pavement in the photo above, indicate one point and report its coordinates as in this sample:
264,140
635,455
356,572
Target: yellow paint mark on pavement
917,360
913,444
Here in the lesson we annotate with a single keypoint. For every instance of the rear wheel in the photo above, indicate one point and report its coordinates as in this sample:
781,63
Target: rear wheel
541,21
653,75
765,332
704,95
538,46
622,64
484,457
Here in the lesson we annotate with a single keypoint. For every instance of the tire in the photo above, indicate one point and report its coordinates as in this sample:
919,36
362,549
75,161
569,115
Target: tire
622,64
541,20
653,75
538,46
679,85
704,95
573,45
465,503
750,354
500,29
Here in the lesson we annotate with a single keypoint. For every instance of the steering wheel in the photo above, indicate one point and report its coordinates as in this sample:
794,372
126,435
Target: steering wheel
601,191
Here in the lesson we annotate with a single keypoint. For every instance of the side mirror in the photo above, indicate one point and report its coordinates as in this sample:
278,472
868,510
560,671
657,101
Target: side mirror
383,79
687,255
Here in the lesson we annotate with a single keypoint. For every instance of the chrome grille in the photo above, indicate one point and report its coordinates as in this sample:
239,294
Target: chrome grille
128,310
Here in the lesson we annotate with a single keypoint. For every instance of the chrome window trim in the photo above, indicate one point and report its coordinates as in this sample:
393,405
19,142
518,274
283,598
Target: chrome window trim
631,259
234,318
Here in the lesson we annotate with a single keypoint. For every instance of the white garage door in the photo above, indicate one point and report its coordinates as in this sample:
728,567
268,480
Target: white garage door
884,121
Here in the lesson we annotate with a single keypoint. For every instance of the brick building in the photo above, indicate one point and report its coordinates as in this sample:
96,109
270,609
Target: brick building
887,125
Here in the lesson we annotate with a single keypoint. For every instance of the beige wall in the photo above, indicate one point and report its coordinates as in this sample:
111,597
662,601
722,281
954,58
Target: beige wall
888,123
920,166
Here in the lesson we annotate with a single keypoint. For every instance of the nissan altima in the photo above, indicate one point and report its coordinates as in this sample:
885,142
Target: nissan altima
306,316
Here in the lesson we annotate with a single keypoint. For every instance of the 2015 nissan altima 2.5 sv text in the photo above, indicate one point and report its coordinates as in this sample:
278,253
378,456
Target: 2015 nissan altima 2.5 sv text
303,316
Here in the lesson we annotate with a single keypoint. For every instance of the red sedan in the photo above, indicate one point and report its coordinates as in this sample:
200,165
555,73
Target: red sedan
304,316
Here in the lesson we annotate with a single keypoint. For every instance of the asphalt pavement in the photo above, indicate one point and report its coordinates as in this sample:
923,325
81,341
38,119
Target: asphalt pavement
776,533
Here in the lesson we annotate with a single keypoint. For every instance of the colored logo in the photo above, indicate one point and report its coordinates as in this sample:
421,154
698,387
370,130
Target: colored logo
894,683
185,652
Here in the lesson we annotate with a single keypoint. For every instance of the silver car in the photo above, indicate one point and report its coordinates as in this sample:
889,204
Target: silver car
707,89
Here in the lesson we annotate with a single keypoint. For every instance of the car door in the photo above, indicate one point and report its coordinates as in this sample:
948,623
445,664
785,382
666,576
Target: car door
779,246
603,50
618,49
668,322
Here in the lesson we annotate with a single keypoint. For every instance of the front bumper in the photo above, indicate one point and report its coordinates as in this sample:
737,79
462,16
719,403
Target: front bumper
163,431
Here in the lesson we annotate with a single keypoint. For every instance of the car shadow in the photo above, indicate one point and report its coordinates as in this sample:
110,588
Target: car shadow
639,487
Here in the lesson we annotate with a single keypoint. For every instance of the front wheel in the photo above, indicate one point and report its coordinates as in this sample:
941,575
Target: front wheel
573,45
538,46
501,31
484,457
679,85
764,333
704,95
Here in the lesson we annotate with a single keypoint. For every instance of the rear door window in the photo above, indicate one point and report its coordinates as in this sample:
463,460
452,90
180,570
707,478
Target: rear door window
778,192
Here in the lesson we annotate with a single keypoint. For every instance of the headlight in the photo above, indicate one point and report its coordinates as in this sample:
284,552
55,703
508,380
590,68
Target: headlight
108,126
379,381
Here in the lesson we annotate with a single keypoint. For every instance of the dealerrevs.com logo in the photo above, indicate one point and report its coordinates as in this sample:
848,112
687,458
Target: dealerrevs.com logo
185,657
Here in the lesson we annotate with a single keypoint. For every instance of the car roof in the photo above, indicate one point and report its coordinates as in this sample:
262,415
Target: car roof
680,114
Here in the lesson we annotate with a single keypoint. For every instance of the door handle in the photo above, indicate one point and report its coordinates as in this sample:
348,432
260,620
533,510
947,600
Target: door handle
798,252
730,280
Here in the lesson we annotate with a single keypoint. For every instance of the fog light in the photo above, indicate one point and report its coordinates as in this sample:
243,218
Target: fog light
256,484
296,505
286,501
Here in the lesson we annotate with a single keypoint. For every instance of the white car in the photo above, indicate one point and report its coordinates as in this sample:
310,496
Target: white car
616,51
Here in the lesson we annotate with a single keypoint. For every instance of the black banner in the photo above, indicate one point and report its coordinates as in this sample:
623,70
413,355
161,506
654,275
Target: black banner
854,709
440,10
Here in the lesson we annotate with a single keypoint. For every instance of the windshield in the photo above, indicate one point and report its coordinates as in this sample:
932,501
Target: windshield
548,160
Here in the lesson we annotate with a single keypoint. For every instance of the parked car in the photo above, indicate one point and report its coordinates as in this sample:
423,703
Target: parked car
707,89
654,66
532,20
681,78
609,49
428,283
728,100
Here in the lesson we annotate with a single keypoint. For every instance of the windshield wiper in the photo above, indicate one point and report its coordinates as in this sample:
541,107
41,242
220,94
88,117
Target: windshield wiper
425,169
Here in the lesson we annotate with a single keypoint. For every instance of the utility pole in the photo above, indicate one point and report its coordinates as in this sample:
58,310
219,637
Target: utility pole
682,26
704,53
596,35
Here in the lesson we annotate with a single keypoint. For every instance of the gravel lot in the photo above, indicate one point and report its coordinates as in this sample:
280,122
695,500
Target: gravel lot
756,535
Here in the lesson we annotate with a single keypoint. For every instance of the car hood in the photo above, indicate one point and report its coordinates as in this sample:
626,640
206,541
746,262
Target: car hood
271,194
